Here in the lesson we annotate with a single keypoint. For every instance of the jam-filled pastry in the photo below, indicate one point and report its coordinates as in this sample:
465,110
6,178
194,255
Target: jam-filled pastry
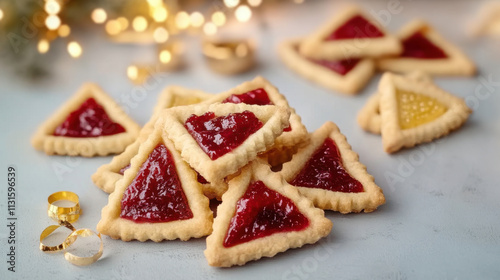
218,139
159,197
350,34
108,174
261,215
329,173
414,112
369,116
90,123
347,76
260,91
424,49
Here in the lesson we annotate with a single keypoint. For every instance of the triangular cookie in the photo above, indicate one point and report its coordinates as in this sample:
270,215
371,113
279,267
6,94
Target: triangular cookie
414,112
218,139
329,173
260,91
369,116
108,174
346,76
90,123
260,216
158,197
424,49
350,34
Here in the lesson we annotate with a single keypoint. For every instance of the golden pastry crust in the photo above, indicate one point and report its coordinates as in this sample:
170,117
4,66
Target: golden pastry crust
274,119
276,157
297,135
369,116
457,62
366,201
44,139
173,96
218,255
314,46
108,174
350,83
393,137
199,225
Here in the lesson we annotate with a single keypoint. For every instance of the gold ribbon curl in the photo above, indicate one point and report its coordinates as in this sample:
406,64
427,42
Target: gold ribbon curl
64,217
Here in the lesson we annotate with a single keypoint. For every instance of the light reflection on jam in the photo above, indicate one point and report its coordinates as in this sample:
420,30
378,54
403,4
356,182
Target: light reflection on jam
89,120
325,171
155,195
261,212
218,136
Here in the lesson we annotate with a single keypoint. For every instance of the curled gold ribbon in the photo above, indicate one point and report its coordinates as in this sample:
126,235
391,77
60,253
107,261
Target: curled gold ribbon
64,217
49,230
69,214
81,261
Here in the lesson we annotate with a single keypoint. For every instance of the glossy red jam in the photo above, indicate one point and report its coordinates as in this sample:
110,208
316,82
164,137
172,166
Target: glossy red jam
356,27
220,135
418,46
155,195
325,171
254,97
90,120
341,67
261,212
122,171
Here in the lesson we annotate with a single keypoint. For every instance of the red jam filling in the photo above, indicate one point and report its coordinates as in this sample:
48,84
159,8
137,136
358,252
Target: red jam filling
200,178
122,171
341,67
261,212
325,171
155,195
356,27
254,97
418,46
219,135
90,120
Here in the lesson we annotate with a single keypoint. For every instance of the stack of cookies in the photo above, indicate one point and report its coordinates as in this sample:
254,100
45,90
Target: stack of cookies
343,54
247,148
410,109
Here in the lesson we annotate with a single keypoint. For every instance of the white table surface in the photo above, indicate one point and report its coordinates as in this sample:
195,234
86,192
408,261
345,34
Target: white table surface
441,219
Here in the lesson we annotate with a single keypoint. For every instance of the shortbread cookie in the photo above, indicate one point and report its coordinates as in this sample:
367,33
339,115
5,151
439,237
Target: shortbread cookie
108,174
369,116
276,157
329,173
90,123
173,96
158,198
415,112
260,91
218,139
261,215
347,76
424,49
350,34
